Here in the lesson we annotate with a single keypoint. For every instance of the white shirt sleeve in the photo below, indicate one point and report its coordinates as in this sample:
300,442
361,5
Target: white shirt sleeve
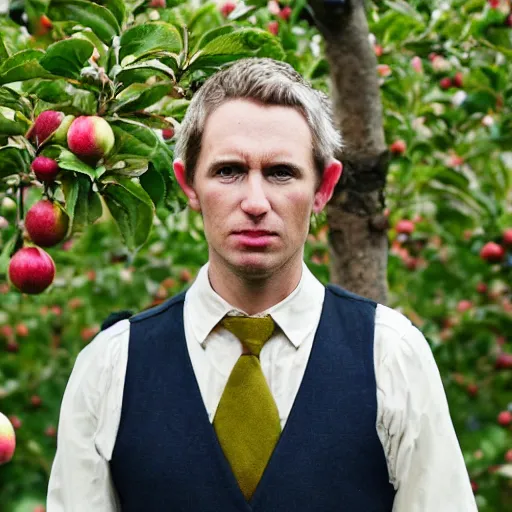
424,457
80,479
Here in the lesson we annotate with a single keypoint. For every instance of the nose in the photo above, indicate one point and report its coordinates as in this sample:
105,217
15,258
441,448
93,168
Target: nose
255,201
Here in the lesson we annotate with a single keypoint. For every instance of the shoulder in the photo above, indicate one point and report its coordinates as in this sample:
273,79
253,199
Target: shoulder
107,342
341,293
97,363
399,343
155,311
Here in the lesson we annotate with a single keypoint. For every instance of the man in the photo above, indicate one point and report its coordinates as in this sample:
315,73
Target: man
258,388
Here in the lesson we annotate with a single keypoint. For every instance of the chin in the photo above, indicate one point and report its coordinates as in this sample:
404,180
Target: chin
253,265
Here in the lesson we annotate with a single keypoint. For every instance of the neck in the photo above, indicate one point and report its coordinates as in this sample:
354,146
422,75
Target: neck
254,293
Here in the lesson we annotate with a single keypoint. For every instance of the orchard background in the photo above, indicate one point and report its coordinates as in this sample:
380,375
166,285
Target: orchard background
444,70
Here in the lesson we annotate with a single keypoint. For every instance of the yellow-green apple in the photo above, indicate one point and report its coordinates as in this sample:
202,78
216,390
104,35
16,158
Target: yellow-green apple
47,223
45,169
31,270
61,133
7,439
90,138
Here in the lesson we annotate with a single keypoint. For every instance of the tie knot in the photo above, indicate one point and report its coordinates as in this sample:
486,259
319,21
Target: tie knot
252,332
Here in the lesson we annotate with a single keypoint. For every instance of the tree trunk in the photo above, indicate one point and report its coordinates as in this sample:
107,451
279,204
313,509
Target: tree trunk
357,226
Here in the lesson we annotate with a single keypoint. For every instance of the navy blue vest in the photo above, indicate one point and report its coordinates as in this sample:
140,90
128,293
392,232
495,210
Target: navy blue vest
328,458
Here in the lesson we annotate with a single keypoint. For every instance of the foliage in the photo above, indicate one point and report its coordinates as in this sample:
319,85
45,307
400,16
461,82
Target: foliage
445,81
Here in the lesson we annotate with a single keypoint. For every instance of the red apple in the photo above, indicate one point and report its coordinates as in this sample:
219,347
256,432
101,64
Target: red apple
445,83
273,27
492,252
22,330
285,13
505,418
503,361
90,138
494,4
31,270
50,431
227,8
458,80
383,70
45,169
417,64
508,456
404,226
472,389
507,236
36,401
47,223
481,288
398,147
44,126
15,422
464,305
168,133
377,48
158,4
7,440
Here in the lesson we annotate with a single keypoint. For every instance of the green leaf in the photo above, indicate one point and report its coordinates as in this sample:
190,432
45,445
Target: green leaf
246,42
127,165
144,39
132,209
83,205
133,138
151,65
11,99
5,255
3,50
71,162
13,160
67,57
88,35
64,97
154,184
213,34
175,108
9,126
139,96
200,13
117,8
88,14
23,65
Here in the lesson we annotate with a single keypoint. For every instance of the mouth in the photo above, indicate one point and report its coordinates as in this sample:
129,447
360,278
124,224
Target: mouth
254,238
254,233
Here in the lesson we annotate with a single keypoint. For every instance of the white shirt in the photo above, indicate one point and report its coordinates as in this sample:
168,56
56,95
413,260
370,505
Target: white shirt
423,455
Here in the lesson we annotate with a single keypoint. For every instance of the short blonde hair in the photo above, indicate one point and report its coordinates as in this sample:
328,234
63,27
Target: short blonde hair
270,82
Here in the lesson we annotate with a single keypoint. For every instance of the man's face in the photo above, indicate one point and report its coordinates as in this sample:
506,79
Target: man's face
255,184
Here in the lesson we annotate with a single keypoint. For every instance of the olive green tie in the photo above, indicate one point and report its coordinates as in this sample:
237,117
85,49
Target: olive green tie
247,420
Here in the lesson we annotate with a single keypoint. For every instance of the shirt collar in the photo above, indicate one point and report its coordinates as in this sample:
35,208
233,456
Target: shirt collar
295,315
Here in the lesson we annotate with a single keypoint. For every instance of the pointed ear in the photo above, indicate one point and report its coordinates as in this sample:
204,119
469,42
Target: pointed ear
331,176
179,172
